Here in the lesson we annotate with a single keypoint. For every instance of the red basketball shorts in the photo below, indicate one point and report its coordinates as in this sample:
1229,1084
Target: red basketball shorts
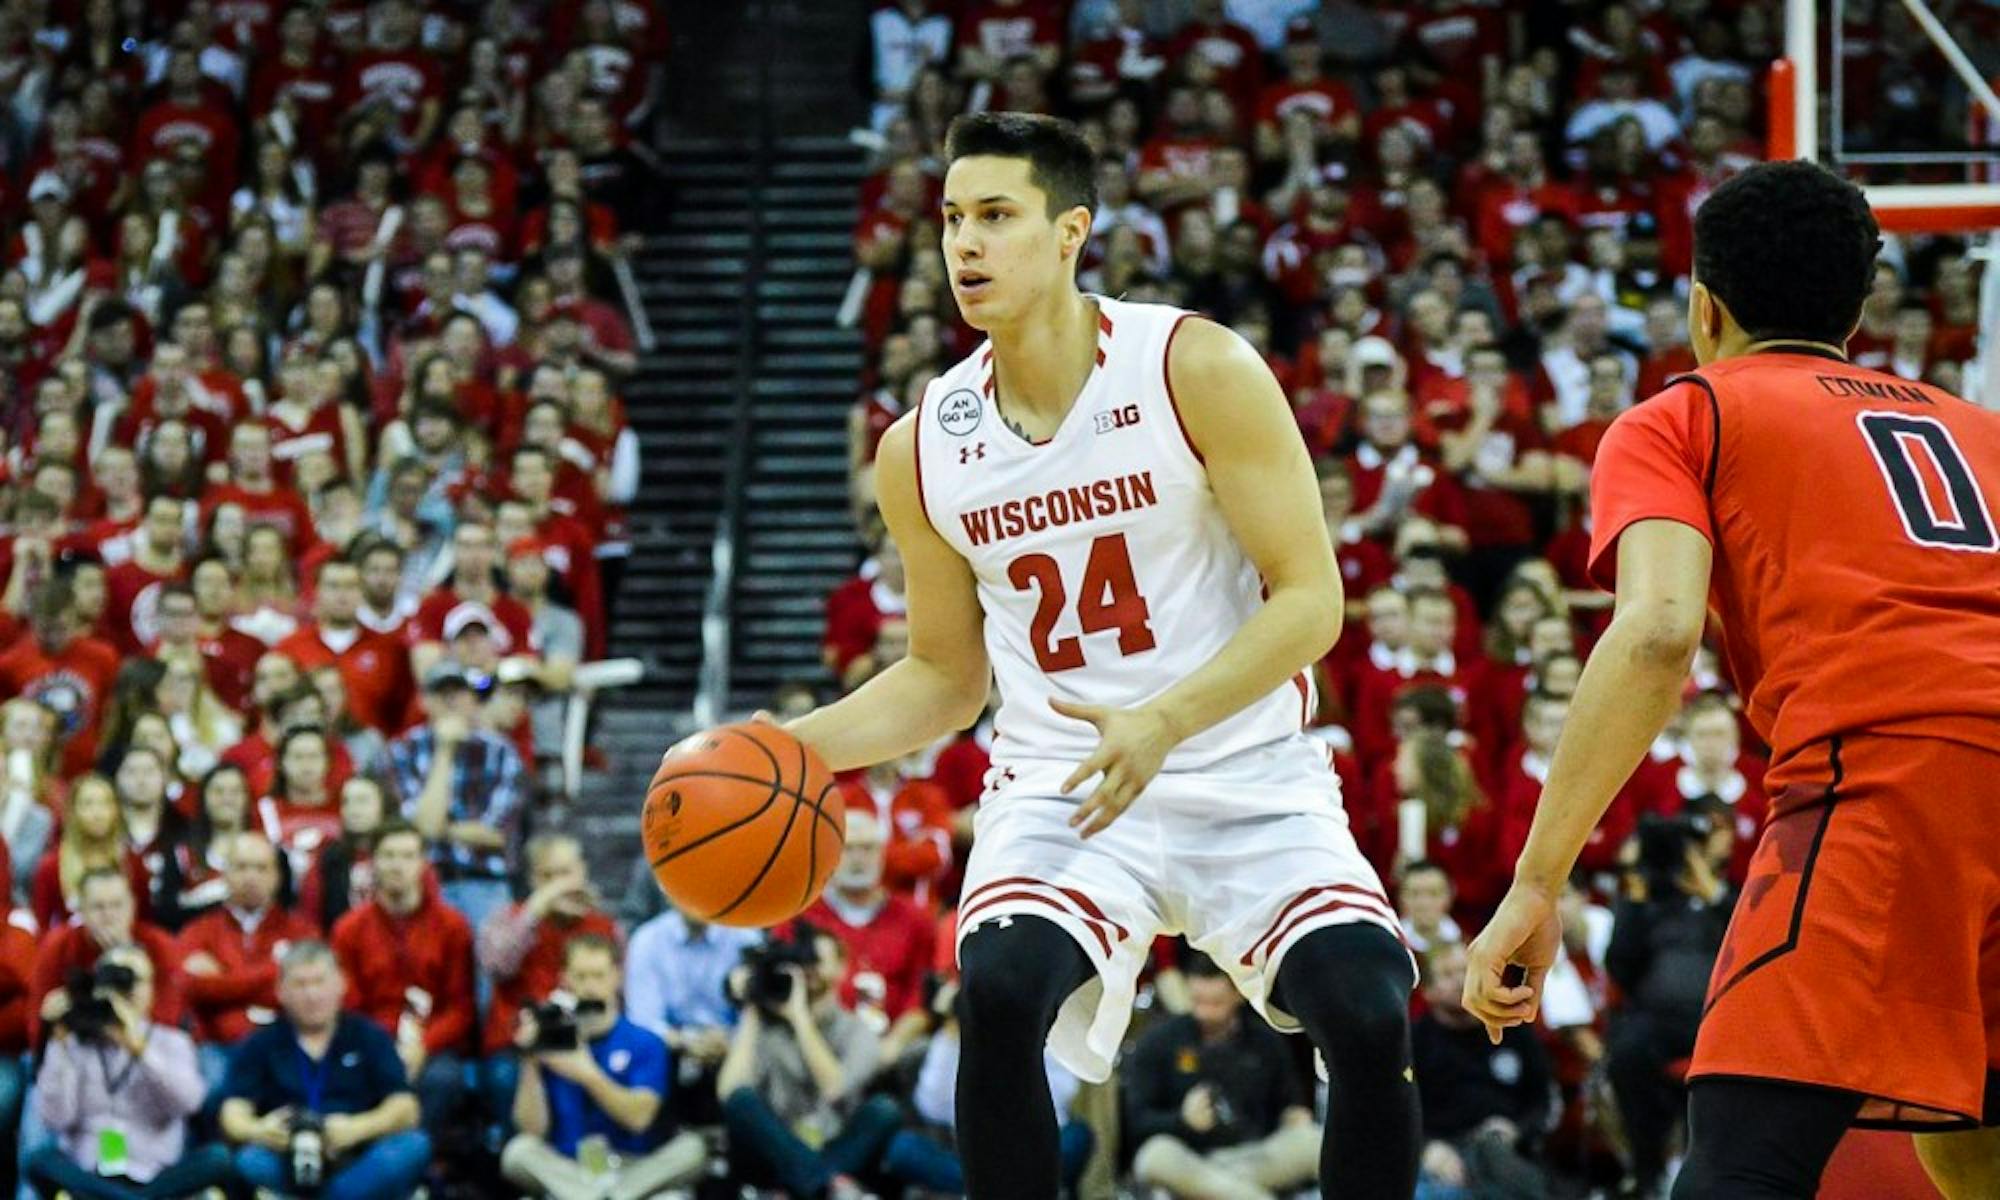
1864,953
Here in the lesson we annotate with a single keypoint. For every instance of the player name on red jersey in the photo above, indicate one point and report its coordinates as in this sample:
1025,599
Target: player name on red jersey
1055,509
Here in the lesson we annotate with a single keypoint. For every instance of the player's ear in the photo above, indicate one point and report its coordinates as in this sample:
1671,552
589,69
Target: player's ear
1073,231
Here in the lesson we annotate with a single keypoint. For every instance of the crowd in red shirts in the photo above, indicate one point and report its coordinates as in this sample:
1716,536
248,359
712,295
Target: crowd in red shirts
1460,233
313,461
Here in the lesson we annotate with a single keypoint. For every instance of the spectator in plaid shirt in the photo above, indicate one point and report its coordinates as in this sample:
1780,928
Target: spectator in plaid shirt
461,786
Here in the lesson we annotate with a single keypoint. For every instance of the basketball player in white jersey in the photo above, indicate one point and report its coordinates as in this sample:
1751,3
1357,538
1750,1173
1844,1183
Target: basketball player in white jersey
1109,508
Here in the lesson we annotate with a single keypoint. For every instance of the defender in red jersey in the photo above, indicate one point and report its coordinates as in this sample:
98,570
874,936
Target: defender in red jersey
1842,525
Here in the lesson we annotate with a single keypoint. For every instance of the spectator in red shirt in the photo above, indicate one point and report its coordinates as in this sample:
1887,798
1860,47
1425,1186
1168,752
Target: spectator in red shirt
92,836
1305,92
302,812
230,953
228,654
916,816
521,949
1393,477
394,84
1224,47
474,582
888,938
992,33
190,112
373,668
408,960
857,610
1714,765
67,673
386,608
253,485
134,586
108,909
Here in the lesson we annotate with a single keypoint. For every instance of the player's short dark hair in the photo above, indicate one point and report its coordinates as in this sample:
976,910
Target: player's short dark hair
1790,248
1060,161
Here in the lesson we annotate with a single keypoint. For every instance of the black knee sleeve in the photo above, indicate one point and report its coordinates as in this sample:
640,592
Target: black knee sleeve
1014,974
1349,986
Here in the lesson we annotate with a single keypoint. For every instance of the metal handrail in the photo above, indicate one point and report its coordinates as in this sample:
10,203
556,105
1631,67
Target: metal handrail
712,693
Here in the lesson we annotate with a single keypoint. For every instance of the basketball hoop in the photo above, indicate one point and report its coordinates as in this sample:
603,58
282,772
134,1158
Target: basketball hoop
1969,210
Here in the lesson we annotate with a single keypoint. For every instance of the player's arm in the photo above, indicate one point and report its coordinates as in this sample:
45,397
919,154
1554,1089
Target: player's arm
1237,417
941,686
1238,420
1629,690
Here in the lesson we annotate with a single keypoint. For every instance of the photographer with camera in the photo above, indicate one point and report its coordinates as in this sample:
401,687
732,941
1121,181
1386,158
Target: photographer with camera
792,1081
1665,935
116,1090
317,1102
591,1090
523,946
108,909
1213,1101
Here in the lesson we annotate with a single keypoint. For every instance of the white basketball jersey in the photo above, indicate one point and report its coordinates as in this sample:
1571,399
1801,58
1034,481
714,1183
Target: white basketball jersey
1105,568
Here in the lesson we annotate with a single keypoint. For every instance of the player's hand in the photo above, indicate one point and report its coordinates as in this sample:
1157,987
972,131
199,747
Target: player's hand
1131,745
1526,932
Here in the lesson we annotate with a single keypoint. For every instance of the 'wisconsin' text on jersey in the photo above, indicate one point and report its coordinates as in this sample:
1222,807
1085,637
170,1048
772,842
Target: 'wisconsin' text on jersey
1105,568
1062,506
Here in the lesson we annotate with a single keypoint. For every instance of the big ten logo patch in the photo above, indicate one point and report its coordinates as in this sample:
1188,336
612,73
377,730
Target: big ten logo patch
1117,418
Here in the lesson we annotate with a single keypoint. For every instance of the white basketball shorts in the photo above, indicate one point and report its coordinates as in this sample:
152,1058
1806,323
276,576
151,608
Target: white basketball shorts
1245,857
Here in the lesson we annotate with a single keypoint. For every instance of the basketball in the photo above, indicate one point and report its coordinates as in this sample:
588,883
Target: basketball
742,825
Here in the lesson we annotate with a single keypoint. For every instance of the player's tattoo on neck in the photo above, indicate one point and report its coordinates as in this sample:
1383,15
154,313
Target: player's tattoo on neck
1014,425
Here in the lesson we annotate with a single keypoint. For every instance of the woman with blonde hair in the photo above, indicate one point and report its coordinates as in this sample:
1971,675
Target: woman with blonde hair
31,792
1460,829
202,725
93,836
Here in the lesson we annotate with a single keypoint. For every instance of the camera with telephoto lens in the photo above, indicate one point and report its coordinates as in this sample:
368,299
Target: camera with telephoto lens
90,1013
307,1150
557,1021
768,985
1664,843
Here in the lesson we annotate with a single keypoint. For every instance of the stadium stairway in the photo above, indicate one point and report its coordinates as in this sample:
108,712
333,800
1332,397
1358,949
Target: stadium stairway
682,405
796,540
746,394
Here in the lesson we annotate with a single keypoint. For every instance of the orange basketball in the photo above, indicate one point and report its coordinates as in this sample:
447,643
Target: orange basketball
743,825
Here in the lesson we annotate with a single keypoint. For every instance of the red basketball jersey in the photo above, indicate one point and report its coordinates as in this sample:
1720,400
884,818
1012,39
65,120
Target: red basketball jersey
1857,559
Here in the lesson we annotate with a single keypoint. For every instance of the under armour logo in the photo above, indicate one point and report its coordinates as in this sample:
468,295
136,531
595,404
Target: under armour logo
967,453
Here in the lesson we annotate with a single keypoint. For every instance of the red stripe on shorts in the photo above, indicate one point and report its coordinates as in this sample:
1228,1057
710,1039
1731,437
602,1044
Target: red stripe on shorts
1075,897
965,913
1335,905
1271,930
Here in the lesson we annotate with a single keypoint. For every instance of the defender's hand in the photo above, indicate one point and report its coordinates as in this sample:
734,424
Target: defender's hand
1131,745
1526,932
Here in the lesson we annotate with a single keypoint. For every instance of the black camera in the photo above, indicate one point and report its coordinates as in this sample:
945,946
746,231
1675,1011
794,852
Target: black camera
558,1022
768,984
1664,843
90,1013
307,1151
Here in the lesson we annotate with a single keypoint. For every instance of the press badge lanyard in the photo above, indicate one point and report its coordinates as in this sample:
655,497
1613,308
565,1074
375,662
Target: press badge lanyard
114,1084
